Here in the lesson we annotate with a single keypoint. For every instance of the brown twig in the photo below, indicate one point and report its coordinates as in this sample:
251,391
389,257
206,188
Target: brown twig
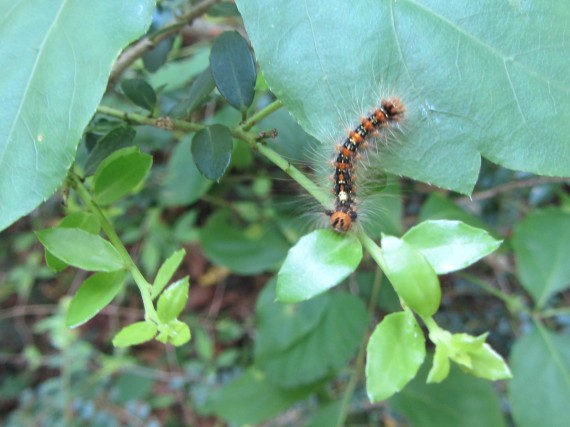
509,186
142,46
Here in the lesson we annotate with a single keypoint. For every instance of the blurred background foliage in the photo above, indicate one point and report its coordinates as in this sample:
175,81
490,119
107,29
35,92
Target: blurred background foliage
252,361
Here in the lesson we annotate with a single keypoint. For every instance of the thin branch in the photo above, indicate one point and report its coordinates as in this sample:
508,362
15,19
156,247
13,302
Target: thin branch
509,186
142,46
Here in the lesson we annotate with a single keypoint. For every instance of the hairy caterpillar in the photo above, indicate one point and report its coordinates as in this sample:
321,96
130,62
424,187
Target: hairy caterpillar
344,212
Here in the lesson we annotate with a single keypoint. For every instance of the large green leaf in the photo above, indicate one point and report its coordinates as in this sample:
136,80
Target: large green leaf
477,78
55,58
244,250
251,399
542,248
540,389
280,325
325,349
460,400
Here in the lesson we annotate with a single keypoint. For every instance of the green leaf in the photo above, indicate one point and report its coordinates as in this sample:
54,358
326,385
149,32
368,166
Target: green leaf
250,399
438,206
117,138
81,249
460,400
175,332
56,58
175,75
157,56
233,69
395,352
326,415
324,50
450,245
471,353
302,362
134,334
173,300
199,91
487,363
244,250
319,261
411,275
181,168
280,325
84,220
541,243
119,174
93,295
166,271
212,150
140,93
223,9
540,389
441,366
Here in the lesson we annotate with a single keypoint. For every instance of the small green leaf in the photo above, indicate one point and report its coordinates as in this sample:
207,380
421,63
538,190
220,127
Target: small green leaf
173,300
94,294
223,9
84,220
542,248
119,174
166,271
233,69
319,261
487,363
450,245
199,91
471,353
395,352
140,92
411,275
212,150
117,138
175,332
441,365
81,249
181,168
134,334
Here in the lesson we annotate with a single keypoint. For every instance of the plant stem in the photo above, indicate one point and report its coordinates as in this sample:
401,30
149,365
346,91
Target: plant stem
181,125
552,312
513,304
373,249
361,356
261,114
239,133
107,226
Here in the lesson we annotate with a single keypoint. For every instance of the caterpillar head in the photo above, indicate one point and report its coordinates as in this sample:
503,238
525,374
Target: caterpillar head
341,219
